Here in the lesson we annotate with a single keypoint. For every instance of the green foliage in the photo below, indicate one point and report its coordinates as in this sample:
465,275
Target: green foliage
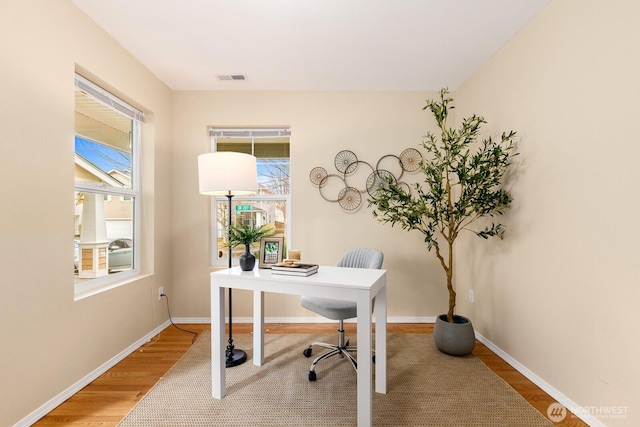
462,184
247,234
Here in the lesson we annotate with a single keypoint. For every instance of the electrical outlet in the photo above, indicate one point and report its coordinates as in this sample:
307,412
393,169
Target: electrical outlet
472,296
160,292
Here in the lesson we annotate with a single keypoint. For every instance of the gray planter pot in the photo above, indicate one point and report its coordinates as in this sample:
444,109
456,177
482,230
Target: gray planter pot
455,338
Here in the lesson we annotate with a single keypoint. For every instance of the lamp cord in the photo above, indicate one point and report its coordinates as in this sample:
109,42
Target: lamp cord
195,334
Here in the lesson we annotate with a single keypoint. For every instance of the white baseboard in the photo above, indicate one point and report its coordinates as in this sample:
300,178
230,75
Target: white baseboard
315,319
57,400
548,388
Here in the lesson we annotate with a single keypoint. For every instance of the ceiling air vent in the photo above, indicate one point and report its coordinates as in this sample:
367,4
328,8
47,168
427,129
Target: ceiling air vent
232,77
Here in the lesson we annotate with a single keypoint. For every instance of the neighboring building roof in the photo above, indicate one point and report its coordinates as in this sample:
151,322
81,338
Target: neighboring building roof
97,172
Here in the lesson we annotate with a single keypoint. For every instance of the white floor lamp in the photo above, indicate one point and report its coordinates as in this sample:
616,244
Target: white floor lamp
228,174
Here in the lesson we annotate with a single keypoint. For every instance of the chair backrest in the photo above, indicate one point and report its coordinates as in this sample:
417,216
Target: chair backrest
361,258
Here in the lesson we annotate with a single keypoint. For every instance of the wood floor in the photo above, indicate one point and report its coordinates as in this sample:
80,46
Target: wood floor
110,397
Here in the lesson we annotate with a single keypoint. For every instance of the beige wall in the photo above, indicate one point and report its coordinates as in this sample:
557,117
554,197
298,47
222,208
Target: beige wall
559,293
371,124
50,342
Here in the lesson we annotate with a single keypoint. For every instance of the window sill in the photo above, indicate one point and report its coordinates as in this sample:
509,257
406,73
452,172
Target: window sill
97,286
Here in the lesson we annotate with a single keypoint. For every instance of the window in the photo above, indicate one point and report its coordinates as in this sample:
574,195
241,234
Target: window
107,187
272,202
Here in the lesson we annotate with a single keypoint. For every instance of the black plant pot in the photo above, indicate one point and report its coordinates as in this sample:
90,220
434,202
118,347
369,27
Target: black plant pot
247,260
455,338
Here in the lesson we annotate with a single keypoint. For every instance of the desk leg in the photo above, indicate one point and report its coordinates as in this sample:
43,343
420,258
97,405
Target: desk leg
217,342
365,397
381,341
258,328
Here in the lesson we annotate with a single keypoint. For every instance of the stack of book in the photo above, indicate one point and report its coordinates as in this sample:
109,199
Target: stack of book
294,268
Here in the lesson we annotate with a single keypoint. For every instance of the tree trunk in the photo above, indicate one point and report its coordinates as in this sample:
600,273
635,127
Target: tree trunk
452,292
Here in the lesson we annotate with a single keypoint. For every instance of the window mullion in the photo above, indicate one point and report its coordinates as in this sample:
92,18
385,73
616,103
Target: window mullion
101,188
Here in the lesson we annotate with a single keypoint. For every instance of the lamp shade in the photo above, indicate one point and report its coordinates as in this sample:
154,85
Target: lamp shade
227,173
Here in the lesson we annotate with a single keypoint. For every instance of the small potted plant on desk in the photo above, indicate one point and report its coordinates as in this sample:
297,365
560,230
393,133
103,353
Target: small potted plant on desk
246,235
463,179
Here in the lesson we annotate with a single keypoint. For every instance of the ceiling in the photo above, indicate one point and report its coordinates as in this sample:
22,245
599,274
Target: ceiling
312,44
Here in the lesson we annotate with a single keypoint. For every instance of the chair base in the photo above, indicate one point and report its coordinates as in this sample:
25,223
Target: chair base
335,350
342,348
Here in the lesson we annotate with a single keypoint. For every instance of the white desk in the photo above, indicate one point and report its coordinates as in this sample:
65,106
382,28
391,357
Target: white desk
353,284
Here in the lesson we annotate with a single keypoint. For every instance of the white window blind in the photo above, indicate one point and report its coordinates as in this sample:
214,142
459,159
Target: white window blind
108,99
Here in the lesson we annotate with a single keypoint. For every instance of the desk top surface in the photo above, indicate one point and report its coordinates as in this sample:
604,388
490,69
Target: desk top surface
326,275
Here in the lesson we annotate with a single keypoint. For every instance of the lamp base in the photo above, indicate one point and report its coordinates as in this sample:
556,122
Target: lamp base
238,357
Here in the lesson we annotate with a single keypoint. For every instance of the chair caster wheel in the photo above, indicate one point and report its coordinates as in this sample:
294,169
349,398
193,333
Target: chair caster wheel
307,352
312,376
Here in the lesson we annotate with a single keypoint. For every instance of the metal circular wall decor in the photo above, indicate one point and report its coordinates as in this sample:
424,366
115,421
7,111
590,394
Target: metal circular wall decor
317,175
346,162
324,182
353,168
349,198
410,159
379,178
396,162
406,187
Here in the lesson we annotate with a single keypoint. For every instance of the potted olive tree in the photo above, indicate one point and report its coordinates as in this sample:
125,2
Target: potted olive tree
246,235
463,180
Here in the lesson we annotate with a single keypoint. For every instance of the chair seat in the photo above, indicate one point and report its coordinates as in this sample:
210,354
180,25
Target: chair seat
330,308
340,310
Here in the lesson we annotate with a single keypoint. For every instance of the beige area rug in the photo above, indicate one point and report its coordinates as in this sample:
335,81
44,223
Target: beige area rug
424,388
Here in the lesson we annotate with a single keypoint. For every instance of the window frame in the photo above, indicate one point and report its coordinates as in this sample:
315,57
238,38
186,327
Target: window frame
246,132
87,287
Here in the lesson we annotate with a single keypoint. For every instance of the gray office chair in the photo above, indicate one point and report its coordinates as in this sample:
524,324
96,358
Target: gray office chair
340,310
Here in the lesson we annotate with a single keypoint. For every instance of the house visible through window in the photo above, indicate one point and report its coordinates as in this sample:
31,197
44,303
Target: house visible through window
107,188
272,202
